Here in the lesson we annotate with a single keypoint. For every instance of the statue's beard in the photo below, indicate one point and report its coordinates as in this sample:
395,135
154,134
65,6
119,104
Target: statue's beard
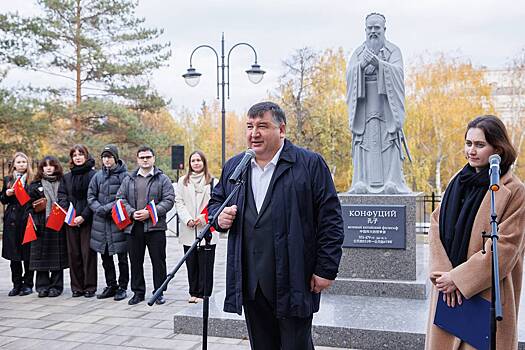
375,43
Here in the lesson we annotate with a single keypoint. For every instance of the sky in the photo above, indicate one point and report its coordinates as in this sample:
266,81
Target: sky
487,32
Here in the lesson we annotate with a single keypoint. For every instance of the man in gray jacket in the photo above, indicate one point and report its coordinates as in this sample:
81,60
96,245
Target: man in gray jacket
145,184
106,238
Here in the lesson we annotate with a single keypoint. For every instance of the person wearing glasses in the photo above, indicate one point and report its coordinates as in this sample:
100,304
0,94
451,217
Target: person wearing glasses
147,183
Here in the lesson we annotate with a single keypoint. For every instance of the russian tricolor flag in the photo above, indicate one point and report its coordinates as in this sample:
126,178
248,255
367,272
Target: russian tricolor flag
120,215
152,212
70,215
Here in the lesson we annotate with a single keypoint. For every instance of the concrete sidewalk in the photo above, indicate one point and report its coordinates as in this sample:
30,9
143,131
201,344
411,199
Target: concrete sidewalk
29,322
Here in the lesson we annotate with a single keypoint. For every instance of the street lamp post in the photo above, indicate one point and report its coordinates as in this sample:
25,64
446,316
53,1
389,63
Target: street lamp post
192,77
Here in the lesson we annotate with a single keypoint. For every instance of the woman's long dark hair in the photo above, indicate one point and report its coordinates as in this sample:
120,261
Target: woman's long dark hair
497,136
49,160
207,175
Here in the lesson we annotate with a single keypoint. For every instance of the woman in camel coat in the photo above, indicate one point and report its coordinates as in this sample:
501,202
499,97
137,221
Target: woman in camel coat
458,268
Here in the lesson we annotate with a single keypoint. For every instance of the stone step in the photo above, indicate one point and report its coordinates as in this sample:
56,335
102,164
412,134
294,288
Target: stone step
357,322
416,289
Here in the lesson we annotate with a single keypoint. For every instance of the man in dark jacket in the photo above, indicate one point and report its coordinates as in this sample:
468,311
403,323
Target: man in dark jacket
106,238
145,184
286,232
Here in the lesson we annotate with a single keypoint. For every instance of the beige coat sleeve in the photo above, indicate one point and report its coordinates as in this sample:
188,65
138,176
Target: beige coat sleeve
474,275
438,258
180,203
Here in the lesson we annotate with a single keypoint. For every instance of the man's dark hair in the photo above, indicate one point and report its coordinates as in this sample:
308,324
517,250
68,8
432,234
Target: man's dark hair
145,148
258,110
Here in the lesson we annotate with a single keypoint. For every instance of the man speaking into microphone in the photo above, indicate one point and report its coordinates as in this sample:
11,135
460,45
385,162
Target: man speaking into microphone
286,232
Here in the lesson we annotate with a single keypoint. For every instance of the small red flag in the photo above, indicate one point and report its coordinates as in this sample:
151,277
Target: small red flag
205,212
56,218
20,192
30,232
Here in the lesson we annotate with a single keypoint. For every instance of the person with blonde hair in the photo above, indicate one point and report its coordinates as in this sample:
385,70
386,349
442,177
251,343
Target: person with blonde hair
14,226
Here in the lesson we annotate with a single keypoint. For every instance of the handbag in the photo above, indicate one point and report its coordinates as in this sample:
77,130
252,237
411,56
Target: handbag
40,205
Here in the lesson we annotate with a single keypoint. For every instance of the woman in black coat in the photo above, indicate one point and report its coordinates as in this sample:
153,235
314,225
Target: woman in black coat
73,190
49,251
14,226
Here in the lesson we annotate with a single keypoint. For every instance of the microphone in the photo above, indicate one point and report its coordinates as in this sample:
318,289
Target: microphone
494,170
240,168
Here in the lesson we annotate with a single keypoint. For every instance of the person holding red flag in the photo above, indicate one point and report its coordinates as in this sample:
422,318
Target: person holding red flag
191,199
14,225
73,191
49,251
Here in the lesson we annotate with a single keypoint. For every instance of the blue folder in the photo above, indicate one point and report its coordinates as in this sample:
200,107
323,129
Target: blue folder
469,321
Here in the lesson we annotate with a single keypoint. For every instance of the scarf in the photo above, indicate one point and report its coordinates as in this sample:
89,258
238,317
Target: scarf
23,178
50,185
459,207
80,178
199,181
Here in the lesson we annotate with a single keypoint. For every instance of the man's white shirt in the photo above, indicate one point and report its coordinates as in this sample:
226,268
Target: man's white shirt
261,178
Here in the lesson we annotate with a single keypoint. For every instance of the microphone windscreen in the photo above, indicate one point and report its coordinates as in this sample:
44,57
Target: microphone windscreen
494,157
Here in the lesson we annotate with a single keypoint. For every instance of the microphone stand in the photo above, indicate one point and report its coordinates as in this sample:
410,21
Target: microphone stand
496,313
205,232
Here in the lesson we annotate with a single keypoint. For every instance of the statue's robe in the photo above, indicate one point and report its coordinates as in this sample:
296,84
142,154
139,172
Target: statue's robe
376,105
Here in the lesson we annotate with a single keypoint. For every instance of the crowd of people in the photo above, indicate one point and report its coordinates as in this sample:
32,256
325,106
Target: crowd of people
89,199
285,229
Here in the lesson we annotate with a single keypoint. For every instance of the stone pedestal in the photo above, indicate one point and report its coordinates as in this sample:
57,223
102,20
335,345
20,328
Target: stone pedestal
382,271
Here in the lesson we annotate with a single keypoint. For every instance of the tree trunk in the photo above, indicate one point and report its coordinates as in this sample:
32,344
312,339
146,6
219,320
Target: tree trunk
76,118
438,174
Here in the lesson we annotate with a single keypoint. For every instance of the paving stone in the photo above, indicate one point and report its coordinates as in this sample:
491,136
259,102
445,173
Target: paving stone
220,346
53,309
146,332
40,344
20,322
117,313
73,317
24,332
19,306
82,327
189,337
31,315
96,338
131,322
164,325
150,343
103,347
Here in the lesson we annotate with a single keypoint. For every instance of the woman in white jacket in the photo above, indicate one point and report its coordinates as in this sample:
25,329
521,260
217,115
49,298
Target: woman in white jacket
191,198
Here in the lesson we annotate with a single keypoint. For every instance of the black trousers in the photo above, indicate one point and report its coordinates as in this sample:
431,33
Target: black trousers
45,280
137,243
110,273
82,259
197,270
267,332
21,275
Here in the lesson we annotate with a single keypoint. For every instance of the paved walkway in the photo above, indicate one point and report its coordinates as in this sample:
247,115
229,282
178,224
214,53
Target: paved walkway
64,322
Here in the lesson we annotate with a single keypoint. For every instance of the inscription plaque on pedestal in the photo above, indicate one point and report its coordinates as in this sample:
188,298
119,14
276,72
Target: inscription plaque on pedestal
374,226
